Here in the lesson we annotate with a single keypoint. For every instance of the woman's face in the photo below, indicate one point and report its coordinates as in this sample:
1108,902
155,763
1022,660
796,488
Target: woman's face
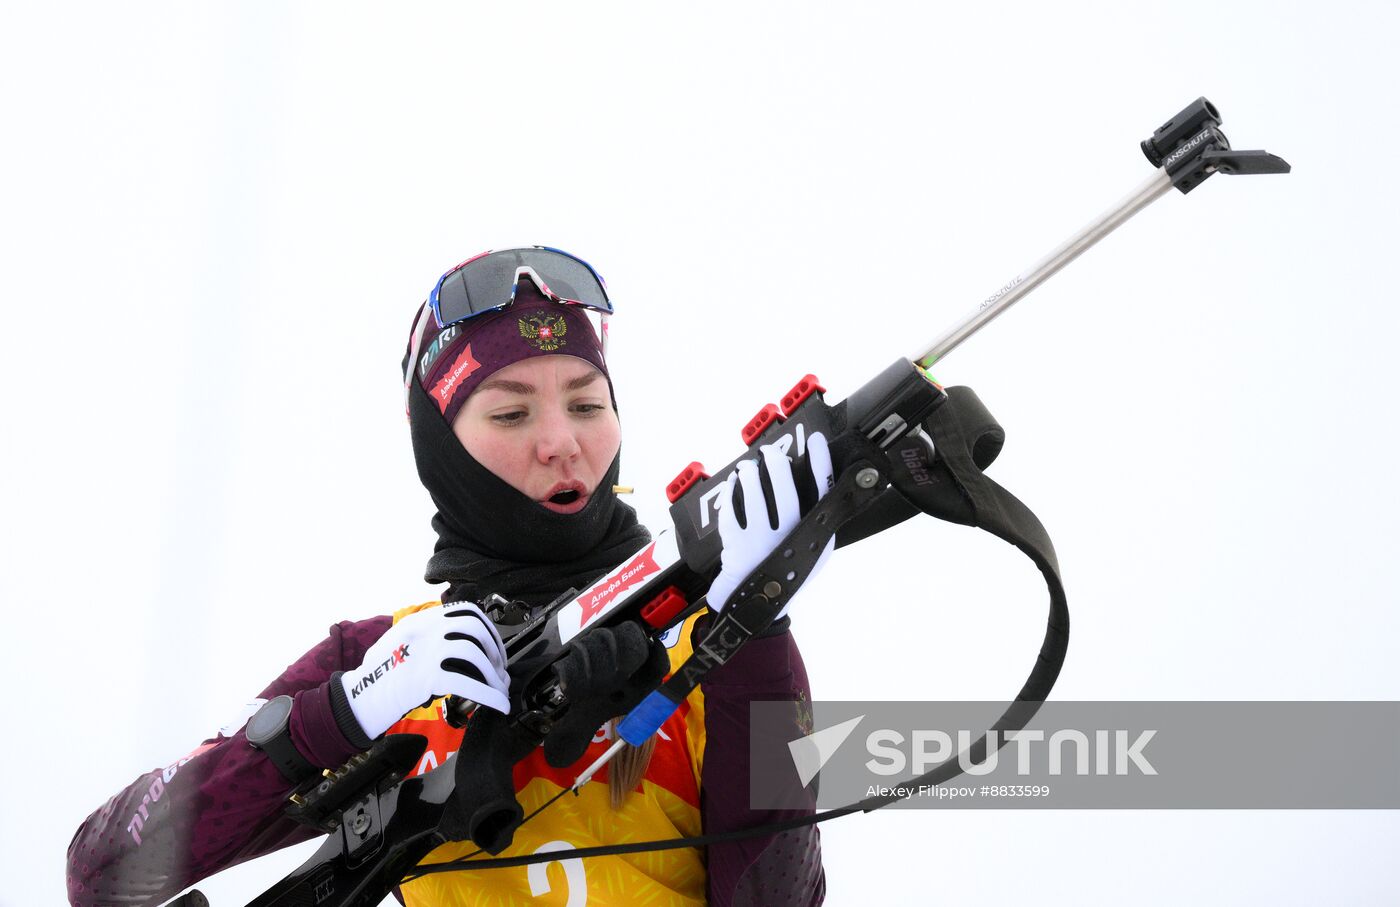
546,427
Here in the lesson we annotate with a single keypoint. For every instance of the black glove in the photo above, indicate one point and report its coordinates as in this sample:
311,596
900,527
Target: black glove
483,808
606,672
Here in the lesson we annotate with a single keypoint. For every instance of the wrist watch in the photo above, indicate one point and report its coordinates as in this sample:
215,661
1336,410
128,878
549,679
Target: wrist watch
269,730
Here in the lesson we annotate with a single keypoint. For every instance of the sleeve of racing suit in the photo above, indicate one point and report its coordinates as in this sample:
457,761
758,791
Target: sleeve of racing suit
221,804
777,870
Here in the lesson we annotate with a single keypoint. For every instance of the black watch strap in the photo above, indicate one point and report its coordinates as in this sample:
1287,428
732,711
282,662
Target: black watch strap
270,730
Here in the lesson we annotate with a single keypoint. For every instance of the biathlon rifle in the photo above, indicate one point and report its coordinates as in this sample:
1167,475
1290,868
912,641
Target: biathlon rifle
901,444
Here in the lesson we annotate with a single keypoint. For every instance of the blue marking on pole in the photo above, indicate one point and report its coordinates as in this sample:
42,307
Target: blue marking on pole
643,720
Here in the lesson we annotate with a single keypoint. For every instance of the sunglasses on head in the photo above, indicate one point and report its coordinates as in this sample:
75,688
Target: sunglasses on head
487,283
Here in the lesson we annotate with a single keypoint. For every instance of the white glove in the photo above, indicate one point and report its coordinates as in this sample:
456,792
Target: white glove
744,548
454,649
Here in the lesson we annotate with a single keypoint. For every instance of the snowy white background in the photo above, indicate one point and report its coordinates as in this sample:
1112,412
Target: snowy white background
218,219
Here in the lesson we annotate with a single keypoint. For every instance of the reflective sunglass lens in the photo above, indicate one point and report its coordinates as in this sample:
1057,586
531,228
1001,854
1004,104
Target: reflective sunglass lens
484,284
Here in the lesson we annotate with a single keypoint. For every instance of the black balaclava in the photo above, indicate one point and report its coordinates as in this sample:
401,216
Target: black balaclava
491,537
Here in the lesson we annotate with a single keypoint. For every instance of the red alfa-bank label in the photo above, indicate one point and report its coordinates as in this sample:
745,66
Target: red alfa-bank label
447,385
617,586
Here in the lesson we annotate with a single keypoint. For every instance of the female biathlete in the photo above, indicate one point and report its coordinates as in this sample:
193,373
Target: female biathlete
517,440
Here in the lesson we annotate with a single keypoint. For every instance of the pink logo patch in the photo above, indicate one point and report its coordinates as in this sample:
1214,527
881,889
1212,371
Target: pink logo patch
631,575
461,370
